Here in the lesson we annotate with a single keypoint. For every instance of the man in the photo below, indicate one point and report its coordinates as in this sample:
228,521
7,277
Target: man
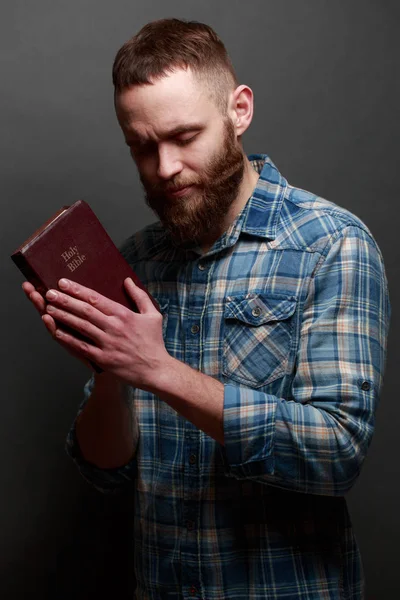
242,412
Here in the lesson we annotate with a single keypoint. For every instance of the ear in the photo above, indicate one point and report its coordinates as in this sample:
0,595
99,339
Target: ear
241,105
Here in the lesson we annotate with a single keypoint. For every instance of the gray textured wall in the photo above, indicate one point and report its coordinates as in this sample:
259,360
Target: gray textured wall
325,77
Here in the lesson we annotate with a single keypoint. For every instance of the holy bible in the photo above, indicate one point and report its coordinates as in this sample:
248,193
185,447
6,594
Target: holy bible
74,244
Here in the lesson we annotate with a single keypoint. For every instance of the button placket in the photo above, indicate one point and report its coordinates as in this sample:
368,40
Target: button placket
191,573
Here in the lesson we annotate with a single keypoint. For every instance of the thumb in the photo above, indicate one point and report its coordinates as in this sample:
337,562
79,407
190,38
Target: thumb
139,296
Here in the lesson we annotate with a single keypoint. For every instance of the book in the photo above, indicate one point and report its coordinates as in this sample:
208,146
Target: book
74,244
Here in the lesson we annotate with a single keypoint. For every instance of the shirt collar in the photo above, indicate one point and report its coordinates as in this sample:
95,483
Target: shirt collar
262,211
260,215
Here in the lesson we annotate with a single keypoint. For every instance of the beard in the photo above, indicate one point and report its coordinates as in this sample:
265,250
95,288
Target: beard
199,214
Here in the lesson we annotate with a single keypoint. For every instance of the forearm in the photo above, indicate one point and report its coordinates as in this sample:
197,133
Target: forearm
194,395
105,429
268,439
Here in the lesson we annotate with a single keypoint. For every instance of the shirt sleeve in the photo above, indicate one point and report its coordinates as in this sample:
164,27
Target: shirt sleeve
109,481
315,441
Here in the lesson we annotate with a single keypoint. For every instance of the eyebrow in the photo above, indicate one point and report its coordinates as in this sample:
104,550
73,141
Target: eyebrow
180,129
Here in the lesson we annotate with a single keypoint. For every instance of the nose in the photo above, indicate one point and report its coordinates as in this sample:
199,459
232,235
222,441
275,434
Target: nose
169,162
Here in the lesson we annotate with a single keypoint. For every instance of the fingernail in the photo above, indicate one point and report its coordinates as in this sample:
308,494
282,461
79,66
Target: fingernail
51,295
63,283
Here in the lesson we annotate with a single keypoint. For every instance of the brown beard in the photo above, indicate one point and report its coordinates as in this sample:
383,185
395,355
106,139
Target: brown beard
194,217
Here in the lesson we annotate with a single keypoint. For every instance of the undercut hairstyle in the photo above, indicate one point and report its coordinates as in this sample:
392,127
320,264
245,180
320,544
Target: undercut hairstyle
167,45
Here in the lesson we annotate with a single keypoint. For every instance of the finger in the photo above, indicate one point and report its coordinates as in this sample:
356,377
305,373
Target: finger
101,303
78,347
51,327
34,296
38,301
82,326
50,324
75,354
80,308
139,296
28,287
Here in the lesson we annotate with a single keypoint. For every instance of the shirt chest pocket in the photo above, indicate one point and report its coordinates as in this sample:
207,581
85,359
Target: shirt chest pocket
257,337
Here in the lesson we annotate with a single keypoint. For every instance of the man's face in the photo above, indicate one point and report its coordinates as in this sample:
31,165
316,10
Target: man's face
188,157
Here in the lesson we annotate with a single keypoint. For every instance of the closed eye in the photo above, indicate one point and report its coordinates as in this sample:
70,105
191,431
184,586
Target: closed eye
142,148
186,141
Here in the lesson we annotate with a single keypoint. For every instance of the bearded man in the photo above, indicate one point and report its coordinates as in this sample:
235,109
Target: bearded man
242,412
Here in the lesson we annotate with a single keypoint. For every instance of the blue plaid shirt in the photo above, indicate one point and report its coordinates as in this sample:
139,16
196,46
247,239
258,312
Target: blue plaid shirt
289,310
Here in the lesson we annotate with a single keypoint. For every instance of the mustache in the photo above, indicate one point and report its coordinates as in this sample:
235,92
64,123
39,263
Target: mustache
158,189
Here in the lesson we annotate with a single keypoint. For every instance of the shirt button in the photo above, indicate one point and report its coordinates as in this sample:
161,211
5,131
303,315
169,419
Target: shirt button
256,312
195,329
202,267
192,459
365,386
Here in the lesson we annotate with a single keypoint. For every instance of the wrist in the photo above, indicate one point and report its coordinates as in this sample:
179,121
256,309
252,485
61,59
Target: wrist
162,378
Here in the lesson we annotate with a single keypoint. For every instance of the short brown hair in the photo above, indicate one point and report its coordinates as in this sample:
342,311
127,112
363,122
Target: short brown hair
163,46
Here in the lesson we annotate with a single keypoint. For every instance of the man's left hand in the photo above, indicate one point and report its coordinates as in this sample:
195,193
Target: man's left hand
127,344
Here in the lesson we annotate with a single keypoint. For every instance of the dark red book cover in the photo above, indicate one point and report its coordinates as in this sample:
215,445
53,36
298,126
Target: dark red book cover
74,244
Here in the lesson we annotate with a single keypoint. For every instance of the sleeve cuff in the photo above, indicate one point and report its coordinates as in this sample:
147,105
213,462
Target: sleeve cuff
249,426
104,480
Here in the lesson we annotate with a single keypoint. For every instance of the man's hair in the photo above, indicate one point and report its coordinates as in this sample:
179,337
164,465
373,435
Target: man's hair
164,46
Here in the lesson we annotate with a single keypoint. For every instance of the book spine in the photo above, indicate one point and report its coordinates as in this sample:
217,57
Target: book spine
29,273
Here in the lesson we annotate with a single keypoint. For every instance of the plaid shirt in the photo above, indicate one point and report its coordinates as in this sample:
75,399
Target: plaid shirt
289,310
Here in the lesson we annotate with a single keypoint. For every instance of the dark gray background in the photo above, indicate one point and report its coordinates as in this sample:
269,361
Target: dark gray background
325,78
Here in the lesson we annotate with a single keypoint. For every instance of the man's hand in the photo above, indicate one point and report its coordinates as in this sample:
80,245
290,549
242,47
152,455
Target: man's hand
40,304
127,344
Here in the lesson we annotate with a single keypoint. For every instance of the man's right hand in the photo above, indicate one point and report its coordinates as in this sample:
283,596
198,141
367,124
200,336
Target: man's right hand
40,304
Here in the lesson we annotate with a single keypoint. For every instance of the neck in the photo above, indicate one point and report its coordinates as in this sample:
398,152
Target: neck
249,182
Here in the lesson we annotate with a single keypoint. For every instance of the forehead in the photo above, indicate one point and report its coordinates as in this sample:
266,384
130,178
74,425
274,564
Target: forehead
176,99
